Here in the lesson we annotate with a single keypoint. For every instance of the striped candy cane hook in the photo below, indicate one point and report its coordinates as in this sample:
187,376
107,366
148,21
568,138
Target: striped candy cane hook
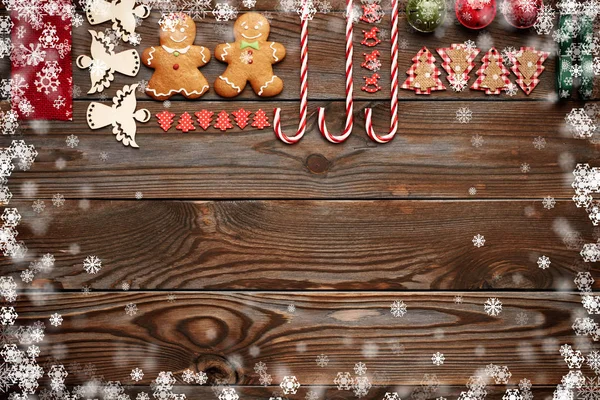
394,95
303,86
349,87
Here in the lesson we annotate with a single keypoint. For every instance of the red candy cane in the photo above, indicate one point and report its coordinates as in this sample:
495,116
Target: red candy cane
394,96
349,87
303,86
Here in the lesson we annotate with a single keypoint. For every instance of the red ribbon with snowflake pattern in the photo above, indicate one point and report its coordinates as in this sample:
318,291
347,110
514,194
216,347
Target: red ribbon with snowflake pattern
41,75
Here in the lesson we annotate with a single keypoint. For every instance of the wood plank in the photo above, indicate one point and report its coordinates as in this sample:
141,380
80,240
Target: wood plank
494,392
326,56
318,245
431,157
227,333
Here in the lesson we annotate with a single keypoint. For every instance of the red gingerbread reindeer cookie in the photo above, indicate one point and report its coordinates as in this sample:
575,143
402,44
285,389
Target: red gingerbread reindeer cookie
250,58
176,60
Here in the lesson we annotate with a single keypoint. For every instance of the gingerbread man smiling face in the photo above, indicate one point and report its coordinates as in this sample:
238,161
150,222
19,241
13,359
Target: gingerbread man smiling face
176,60
250,59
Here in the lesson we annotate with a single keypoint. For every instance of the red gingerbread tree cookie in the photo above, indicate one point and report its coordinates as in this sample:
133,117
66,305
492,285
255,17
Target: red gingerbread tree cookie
186,123
241,117
165,119
260,120
204,118
223,121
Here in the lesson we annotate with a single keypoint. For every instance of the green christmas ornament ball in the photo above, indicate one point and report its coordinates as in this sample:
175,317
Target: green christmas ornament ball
425,15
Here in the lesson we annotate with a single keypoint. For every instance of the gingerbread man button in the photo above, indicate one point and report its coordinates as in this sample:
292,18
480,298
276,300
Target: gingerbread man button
176,60
250,58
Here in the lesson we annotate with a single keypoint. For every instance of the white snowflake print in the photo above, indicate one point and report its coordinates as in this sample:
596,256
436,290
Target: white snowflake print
398,308
438,359
131,309
72,141
228,394
458,83
201,378
291,308
137,374
478,240
548,202
477,140
539,143
59,102
26,107
32,55
324,6
260,367
458,299
246,57
493,306
139,195
38,206
5,25
265,379
92,264
472,191
322,360
525,168
103,156
98,68
360,368
56,319
289,385
27,276
521,318
511,89
306,10
188,376
464,115
8,315
224,12
58,200
543,262
249,3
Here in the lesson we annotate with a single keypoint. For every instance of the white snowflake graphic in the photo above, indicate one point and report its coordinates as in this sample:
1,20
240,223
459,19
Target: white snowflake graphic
398,308
92,264
438,359
478,240
493,306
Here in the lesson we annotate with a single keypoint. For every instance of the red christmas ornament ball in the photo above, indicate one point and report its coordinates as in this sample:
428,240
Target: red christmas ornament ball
475,14
521,14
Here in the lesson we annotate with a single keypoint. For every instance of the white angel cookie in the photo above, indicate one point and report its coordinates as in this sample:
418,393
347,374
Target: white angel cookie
104,62
121,115
122,13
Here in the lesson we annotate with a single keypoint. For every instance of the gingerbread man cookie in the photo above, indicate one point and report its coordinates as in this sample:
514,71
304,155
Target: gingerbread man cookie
250,59
176,60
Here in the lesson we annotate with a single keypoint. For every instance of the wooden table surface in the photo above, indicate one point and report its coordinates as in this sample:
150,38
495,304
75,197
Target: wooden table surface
237,226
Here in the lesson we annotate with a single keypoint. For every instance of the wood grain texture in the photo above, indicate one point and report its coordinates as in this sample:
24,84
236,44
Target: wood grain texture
326,55
431,157
307,245
227,333
494,392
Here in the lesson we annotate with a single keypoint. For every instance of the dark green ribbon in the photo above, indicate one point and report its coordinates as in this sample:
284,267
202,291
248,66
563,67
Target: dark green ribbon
585,37
564,77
